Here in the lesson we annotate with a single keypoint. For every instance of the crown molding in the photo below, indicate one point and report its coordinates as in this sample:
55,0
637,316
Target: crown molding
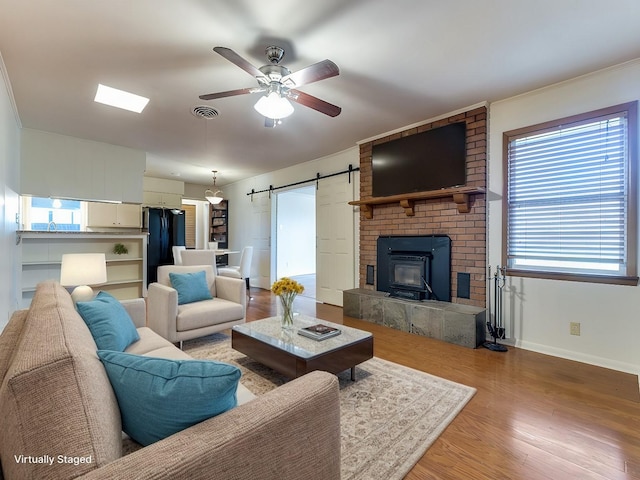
7,83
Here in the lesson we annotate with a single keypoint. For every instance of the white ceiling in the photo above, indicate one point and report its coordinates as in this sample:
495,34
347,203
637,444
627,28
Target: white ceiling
401,62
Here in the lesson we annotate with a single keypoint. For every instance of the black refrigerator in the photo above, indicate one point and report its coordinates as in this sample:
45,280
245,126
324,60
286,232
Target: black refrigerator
166,230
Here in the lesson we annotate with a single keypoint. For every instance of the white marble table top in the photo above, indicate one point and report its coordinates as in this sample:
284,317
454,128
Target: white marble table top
270,331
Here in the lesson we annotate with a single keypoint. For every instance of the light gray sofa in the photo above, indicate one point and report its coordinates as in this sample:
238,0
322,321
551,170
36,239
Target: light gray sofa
184,322
56,400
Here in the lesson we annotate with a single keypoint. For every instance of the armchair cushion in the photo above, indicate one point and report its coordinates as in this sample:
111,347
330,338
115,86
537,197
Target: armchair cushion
159,397
191,287
207,313
109,323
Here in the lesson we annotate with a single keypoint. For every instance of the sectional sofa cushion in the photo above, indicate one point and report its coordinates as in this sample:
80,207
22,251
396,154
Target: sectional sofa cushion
159,397
55,397
191,287
9,340
109,323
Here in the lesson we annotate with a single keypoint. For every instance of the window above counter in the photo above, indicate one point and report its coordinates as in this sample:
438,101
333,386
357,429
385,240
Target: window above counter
40,214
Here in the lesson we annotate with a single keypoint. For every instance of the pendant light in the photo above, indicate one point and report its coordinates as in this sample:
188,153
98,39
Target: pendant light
213,195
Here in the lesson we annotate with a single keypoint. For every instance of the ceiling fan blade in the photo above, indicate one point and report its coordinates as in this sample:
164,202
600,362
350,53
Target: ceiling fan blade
231,93
312,73
314,102
236,59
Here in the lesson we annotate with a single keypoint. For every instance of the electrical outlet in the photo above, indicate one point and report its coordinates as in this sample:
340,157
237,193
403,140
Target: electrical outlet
574,328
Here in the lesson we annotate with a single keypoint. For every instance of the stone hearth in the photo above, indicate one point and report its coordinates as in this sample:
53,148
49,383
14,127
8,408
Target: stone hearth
463,325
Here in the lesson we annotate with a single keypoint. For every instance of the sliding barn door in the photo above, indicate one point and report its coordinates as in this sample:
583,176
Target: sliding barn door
260,238
335,255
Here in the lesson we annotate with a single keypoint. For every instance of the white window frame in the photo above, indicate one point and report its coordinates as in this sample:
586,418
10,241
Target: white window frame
521,261
27,216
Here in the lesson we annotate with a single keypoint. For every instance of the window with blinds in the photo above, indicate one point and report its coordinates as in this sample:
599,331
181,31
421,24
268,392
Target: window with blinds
570,202
189,225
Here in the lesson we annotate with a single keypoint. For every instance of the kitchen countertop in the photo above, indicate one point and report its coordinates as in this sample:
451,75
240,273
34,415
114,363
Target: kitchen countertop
42,233
87,232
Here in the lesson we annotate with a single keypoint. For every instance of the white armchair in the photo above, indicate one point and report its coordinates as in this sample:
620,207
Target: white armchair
177,323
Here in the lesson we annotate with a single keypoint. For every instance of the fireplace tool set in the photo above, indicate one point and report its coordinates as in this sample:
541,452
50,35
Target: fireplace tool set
496,329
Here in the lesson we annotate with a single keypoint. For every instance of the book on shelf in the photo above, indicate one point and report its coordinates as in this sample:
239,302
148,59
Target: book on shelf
319,331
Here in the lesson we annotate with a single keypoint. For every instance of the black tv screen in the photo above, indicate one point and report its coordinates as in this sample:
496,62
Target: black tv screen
429,160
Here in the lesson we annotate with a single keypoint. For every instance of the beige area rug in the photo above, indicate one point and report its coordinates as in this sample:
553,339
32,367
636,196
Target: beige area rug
389,416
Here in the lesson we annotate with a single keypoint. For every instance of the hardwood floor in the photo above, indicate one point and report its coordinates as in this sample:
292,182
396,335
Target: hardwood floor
533,417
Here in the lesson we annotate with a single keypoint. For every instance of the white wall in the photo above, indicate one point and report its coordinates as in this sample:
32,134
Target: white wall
538,311
79,169
250,221
9,181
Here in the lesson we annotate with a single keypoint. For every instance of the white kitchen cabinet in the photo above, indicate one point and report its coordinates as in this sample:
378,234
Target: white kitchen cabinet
129,215
162,200
121,215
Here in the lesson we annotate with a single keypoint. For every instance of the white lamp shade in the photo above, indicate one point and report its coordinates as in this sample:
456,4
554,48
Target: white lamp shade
83,269
214,198
273,106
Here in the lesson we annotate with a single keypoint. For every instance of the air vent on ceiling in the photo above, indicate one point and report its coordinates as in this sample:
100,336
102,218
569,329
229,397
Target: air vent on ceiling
204,111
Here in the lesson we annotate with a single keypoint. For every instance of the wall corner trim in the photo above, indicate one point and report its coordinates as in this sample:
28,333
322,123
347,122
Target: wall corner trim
7,81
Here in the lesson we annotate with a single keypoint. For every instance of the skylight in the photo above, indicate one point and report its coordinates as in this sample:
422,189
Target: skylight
120,99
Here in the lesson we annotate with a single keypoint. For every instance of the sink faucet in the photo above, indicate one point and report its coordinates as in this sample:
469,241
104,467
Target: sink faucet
52,226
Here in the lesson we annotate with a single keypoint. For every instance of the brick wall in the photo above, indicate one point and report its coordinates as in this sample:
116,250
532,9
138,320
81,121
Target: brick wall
436,216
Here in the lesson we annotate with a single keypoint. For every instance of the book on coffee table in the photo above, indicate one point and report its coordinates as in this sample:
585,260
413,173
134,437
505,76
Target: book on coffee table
319,331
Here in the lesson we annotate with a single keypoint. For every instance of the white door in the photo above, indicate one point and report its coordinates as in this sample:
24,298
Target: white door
260,239
335,254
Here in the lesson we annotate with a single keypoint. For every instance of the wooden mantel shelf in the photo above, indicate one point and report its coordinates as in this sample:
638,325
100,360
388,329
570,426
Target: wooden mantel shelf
460,196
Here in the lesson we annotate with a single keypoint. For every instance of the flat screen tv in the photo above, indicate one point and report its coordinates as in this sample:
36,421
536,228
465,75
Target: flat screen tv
429,160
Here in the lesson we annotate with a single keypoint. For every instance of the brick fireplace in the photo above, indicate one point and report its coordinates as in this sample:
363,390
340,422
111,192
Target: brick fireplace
435,216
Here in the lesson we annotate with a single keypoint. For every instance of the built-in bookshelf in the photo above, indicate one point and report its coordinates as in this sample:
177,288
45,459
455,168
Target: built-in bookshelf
42,256
219,228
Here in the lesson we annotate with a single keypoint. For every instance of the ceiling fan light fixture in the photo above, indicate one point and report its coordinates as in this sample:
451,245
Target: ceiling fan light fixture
273,106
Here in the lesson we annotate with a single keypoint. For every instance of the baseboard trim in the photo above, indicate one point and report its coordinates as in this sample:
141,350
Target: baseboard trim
580,357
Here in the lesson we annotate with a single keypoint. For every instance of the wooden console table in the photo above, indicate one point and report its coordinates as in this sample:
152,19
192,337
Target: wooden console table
460,196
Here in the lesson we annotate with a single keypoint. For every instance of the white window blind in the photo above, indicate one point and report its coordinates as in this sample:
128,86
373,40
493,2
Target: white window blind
189,225
567,198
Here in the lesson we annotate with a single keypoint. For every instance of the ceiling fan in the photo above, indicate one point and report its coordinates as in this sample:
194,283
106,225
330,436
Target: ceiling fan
280,85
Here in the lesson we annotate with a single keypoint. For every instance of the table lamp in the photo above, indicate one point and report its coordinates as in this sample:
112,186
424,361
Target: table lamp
81,270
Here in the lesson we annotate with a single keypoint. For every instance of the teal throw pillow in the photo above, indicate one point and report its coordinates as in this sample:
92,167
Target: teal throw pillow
191,287
109,322
159,397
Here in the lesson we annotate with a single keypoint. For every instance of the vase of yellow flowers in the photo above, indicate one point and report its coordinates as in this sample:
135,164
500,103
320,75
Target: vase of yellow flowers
287,289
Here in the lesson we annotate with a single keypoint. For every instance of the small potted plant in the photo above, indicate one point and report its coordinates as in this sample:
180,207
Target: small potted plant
120,249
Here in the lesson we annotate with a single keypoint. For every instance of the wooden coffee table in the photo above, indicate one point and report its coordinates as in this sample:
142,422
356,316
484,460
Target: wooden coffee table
294,355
